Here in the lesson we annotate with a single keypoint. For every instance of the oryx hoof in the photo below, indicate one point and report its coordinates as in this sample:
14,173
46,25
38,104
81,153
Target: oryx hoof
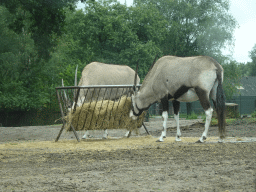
204,138
177,138
199,141
164,136
159,140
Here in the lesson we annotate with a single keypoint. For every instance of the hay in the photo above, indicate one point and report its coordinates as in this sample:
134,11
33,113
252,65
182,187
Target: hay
105,114
106,145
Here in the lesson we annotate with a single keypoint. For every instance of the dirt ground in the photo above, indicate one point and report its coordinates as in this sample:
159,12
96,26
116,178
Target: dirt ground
30,160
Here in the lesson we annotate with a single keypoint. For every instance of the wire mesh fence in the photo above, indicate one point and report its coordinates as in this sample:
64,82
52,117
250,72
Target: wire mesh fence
246,106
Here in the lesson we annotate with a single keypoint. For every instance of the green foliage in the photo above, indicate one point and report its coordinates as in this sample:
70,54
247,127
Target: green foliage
195,27
254,114
25,79
44,19
252,53
42,42
193,115
232,78
252,65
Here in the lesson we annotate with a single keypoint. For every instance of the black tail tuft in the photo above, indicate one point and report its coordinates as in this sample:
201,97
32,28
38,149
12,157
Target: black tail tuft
221,110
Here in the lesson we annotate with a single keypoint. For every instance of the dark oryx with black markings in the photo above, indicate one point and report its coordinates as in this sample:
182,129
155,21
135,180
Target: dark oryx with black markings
184,79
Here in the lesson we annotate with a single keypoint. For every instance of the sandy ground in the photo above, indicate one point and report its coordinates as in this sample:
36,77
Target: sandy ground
30,160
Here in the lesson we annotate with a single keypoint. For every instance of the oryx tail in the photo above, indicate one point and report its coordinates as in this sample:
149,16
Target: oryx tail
220,108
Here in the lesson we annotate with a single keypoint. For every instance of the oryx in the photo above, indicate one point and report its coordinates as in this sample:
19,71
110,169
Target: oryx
183,79
97,73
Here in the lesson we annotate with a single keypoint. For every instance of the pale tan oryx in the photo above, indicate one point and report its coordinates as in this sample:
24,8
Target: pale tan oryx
183,79
97,73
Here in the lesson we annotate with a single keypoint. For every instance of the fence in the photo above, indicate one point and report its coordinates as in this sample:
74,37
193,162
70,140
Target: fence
47,116
29,118
246,105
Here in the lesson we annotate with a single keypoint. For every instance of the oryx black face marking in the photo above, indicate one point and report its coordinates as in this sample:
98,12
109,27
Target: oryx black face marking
140,110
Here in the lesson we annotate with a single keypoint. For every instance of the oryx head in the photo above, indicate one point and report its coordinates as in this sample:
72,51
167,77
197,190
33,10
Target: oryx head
134,113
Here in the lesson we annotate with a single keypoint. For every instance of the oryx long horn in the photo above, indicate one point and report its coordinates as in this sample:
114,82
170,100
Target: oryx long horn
75,82
153,62
65,95
76,76
135,78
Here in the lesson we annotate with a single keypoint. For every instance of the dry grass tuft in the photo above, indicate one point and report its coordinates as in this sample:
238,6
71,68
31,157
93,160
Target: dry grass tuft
105,114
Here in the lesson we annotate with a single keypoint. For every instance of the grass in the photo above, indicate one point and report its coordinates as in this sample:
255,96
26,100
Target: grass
192,116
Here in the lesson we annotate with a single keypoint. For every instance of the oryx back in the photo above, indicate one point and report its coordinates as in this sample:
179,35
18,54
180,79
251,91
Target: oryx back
178,77
97,73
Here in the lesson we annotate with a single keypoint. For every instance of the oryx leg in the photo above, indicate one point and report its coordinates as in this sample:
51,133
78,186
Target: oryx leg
163,134
165,104
105,135
176,108
213,94
205,102
85,135
127,133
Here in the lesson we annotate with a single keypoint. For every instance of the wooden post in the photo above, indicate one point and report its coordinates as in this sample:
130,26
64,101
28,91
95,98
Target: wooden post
63,121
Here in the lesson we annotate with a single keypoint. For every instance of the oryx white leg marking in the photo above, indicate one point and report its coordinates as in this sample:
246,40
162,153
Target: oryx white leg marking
105,135
176,117
208,113
165,117
85,135
127,133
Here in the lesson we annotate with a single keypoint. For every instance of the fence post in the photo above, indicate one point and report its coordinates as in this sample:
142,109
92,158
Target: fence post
189,108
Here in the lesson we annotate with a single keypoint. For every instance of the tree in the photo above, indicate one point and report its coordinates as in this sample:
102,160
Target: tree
195,27
111,33
29,33
46,19
244,68
232,78
43,41
252,65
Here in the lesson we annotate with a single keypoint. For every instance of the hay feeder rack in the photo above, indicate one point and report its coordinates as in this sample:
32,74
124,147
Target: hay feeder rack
96,107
